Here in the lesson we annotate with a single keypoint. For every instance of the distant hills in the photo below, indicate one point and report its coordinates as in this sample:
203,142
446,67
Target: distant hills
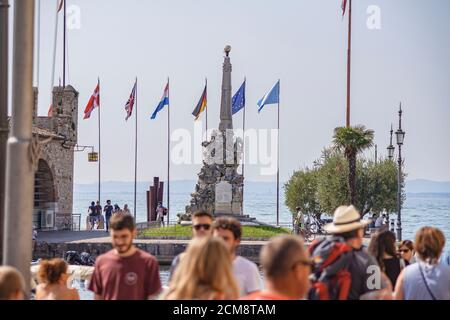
412,186
427,186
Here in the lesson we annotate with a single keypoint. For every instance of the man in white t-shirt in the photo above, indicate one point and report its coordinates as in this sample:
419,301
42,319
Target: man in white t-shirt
245,271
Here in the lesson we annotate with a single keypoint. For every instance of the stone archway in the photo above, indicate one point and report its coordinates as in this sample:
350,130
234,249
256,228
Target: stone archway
44,197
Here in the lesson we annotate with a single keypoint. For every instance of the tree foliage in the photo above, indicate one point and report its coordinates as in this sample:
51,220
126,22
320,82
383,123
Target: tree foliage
324,188
352,141
301,191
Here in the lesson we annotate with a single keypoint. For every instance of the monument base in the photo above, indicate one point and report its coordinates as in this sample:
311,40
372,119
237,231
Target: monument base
245,220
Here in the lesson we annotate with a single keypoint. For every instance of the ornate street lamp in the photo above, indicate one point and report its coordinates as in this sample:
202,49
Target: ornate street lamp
400,134
391,148
92,156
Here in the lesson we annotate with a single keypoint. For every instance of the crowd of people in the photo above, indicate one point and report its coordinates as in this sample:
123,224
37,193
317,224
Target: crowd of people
336,267
96,219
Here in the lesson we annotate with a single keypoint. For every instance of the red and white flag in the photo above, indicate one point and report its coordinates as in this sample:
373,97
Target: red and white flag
130,103
344,7
94,102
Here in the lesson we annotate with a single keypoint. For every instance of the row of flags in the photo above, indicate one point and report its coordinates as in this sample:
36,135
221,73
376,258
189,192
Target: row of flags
238,101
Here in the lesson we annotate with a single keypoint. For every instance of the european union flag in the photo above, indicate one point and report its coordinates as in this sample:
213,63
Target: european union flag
238,100
273,96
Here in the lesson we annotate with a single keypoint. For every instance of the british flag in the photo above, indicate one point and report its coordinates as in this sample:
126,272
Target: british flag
130,103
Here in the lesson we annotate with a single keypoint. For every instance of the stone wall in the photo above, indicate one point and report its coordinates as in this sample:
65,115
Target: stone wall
60,161
164,252
58,152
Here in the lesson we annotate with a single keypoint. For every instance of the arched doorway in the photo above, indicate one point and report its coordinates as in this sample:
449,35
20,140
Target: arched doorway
44,197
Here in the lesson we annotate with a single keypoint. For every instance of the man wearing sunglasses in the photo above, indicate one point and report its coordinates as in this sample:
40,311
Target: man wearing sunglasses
286,266
201,227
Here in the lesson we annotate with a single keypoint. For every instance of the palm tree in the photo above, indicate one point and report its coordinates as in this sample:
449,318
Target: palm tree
352,140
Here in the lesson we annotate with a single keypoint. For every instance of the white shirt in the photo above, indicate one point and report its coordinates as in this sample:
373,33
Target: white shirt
247,276
160,212
379,222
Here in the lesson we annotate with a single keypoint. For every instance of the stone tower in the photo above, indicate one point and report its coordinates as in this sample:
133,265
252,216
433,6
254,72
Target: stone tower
57,135
219,186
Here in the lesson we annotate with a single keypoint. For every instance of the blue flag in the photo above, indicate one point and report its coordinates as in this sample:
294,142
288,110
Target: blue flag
238,100
273,96
164,101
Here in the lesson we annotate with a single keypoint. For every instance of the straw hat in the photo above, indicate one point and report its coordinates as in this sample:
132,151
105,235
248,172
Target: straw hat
346,218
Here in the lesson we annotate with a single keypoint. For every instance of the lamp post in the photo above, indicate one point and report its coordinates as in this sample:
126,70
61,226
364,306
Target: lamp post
391,148
400,134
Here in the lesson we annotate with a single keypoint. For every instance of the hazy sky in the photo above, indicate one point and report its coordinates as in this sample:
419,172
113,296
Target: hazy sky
303,43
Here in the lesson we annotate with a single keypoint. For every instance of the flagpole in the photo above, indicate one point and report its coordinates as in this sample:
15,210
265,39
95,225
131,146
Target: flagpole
168,151
54,56
206,95
64,46
99,146
38,45
278,159
243,144
135,152
349,61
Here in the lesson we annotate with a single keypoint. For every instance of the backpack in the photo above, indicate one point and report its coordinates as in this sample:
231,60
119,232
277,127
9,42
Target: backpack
330,278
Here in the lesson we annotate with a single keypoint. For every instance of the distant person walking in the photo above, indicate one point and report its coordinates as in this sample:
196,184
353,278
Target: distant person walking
12,284
92,214
126,210
100,219
245,272
160,213
286,265
406,252
382,247
34,238
117,209
108,213
204,273
125,272
427,279
380,221
53,277
201,227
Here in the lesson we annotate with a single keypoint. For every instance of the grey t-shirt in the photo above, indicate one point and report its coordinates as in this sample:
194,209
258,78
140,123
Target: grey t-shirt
364,271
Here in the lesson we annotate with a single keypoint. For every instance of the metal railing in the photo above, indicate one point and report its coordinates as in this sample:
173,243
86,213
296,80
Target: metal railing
68,222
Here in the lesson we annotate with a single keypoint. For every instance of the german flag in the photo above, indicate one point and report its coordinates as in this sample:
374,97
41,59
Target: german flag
201,106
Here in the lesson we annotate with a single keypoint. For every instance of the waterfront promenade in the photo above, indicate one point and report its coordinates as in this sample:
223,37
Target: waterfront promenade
55,243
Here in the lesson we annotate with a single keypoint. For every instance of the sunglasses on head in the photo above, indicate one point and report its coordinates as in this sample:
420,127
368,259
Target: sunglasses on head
200,226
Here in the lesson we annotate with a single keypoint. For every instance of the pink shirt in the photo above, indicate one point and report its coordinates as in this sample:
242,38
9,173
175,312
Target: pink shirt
130,278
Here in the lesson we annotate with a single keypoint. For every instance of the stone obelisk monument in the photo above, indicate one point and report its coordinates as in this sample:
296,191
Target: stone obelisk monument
219,186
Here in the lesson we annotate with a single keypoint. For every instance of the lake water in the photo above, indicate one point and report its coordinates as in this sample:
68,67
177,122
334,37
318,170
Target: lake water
260,202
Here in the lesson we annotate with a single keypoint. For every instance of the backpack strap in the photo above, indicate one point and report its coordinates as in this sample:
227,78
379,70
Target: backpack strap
338,250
